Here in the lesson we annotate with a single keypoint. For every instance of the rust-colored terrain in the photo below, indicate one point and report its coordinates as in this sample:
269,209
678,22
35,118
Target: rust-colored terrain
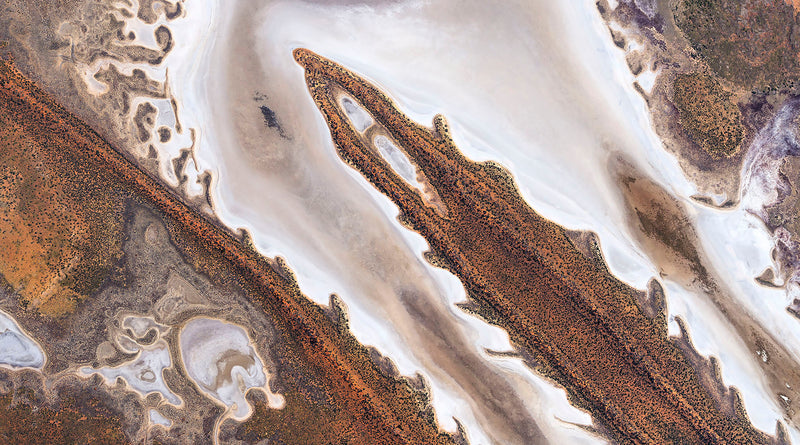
335,390
26,417
583,327
708,114
751,49
59,233
751,43
723,69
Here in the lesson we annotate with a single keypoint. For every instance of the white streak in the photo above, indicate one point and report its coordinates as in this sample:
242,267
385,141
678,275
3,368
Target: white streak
143,374
17,348
156,419
220,359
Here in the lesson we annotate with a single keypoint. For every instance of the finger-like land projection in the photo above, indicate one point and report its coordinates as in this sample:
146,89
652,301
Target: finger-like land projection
583,327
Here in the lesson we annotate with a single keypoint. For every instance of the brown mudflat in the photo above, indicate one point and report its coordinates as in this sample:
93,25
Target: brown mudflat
582,326
334,391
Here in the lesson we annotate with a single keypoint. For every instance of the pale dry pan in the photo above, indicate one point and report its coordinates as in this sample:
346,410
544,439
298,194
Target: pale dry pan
219,358
18,349
143,374
538,86
156,419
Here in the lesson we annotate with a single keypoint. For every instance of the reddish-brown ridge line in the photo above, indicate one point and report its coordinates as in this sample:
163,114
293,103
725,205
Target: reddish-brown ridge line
582,325
387,416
